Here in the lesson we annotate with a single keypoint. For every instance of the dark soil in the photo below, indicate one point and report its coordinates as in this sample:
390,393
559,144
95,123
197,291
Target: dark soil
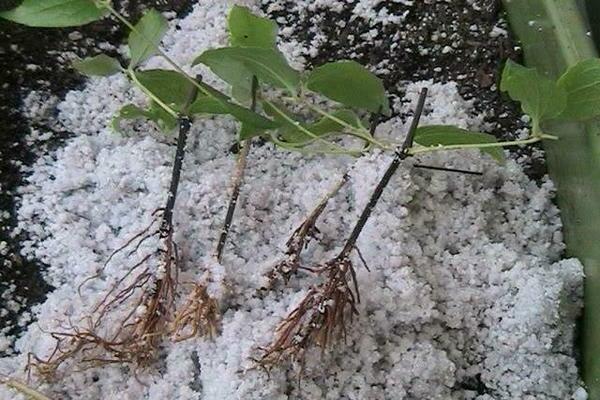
30,59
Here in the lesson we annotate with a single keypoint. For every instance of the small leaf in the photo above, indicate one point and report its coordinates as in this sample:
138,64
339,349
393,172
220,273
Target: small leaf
540,97
171,87
249,30
218,103
349,83
55,13
269,66
581,82
101,65
144,43
445,135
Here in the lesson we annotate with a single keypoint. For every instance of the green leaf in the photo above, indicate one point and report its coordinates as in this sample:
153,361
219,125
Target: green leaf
540,97
351,84
249,30
171,87
55,13
445,135
144,41
235,63
101,65
218,103
581,83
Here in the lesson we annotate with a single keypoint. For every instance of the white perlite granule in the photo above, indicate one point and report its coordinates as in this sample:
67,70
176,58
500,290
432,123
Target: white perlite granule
466,287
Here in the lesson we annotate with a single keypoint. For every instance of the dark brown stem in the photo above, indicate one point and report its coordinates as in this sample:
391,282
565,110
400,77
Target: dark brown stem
184,129
401,154
238,178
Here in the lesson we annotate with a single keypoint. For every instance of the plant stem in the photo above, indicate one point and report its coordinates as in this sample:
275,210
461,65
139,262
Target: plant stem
184,128
401,154
288,146
238,178
299,126
358,132
533,139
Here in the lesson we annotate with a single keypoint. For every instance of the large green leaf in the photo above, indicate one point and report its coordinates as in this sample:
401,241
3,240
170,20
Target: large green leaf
351,84
446,135
249,30
268,65
171,87
581,83
541,98
55,13
145,39
101,65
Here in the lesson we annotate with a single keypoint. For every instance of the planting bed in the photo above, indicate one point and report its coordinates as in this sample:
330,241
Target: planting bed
467,295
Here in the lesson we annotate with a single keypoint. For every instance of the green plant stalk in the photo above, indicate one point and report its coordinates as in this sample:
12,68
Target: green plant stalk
555,40
300,127
287,146
532,139
359,133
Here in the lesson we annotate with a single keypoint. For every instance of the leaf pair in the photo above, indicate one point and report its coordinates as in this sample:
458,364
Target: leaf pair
575,96
143,43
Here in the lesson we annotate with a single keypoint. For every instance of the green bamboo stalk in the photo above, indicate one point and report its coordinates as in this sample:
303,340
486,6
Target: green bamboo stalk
554,36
